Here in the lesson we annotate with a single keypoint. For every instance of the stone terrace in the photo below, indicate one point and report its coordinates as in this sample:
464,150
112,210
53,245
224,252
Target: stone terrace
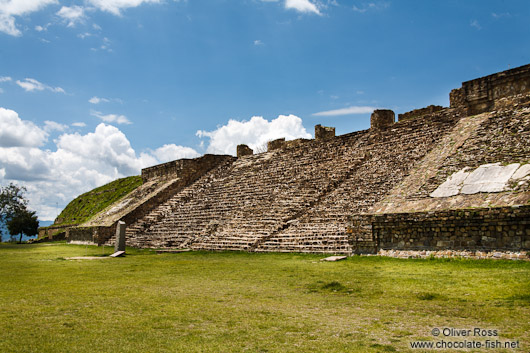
296,198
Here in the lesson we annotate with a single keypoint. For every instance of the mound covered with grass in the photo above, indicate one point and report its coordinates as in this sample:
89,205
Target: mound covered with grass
87,205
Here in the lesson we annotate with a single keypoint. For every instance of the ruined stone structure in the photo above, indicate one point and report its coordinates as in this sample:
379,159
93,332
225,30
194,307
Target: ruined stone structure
478,96
364,192
324,132
382,119
275,144
418,113
161,182
244,150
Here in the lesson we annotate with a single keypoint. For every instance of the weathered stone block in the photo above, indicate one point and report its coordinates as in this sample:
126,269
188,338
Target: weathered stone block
244,150
119,245
324,132
382,119
275,144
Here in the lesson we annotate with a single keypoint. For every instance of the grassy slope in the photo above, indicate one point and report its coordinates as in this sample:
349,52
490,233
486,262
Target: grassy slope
85,206
234,302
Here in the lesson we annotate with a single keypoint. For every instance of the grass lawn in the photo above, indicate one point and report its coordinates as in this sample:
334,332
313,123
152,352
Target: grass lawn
234,302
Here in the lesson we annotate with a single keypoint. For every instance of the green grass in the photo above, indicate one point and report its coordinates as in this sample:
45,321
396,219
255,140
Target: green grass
238,302
87,205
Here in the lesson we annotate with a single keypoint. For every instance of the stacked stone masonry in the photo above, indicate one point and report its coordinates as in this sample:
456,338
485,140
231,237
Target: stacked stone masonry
293,198
505,229
312,195
418,113
382,119
503,137
160,183
479,95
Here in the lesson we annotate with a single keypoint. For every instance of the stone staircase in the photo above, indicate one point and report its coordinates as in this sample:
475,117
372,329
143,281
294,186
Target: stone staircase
297,198
323,228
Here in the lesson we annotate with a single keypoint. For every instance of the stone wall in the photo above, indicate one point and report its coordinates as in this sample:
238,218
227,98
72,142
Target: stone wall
478,96
182,168
418,113
295,143
481,229
54,232
89,235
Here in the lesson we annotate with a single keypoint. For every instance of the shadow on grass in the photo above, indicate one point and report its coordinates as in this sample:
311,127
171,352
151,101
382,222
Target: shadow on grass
521,299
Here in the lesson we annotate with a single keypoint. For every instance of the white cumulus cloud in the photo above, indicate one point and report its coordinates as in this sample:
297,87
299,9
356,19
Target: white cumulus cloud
304,6
171,152
30,85
14,132
346,111
78,164
72,15
255,133
11,8
54,126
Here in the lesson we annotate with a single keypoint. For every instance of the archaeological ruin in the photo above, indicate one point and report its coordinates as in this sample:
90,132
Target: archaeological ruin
442,181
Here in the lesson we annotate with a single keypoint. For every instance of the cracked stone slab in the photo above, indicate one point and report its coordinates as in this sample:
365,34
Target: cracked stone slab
452,185
522,172
489,178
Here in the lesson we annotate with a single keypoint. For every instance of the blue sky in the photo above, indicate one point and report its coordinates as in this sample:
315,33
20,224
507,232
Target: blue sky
94,90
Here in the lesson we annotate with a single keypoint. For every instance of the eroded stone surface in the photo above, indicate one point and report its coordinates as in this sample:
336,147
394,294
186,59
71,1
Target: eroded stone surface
489,178
453,185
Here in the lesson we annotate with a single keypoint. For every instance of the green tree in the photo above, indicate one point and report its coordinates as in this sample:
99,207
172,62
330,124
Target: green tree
14,212
23,222
12,200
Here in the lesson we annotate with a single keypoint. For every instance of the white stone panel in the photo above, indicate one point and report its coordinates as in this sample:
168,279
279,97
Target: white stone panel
452,185
486,178
489,178
522,172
